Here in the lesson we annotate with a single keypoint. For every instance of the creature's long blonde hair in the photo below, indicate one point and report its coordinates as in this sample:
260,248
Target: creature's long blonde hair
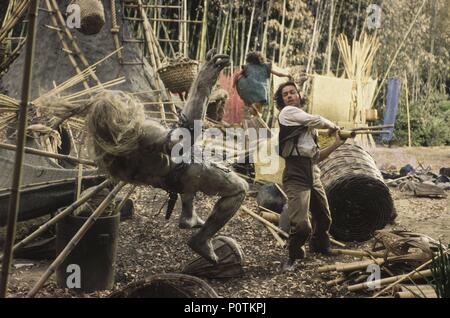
114,124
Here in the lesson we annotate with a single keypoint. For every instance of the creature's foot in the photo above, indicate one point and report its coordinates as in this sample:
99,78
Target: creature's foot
193,222
204,249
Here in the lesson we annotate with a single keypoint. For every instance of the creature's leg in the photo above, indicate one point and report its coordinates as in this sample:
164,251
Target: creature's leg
188,218
232,189
223,211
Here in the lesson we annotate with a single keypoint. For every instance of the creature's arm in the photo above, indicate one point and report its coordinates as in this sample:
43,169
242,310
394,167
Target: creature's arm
197,102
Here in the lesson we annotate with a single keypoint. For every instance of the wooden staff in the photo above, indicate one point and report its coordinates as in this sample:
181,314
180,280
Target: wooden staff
417,291
403,277
49,154
394,279
14,200
336,281
265,222
77,237
357,253
61,215
53,182
280,241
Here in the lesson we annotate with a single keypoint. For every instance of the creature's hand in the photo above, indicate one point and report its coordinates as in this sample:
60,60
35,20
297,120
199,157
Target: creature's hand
212,67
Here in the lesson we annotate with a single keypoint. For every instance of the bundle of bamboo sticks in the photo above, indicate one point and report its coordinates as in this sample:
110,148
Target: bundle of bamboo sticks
358,59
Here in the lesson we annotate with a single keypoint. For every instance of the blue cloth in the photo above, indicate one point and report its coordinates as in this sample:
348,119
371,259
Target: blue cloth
253,85
390,113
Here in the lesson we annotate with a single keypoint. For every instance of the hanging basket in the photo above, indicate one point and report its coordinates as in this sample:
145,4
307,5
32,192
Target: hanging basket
178,77
92,16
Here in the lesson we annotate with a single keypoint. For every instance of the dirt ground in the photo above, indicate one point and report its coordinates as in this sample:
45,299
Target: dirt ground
151,245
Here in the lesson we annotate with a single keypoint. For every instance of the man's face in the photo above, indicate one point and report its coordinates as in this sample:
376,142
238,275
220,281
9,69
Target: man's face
290,96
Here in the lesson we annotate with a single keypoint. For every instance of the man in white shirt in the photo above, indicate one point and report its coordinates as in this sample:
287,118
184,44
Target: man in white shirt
301,176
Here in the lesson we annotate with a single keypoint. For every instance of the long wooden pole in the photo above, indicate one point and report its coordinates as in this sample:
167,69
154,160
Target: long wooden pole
21,137
266,26
48,154
250,29
330,33
204,31
407,111
61,215
283,19
76,239
394,279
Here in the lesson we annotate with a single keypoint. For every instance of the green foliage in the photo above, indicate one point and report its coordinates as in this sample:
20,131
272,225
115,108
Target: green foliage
430,122
441,273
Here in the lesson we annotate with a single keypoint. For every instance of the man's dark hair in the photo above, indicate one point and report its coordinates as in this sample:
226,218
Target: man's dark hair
255,58
279,96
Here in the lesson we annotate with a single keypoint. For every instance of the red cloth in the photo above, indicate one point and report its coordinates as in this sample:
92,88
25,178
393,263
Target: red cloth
234,107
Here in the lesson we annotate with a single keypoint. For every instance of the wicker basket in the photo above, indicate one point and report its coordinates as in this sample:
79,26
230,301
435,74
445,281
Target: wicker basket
92,16
179,77
360,201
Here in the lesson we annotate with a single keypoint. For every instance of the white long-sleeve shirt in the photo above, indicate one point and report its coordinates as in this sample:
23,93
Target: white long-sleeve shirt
294,116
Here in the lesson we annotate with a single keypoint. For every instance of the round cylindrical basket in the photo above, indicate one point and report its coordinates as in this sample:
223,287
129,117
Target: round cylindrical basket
178,77
360,202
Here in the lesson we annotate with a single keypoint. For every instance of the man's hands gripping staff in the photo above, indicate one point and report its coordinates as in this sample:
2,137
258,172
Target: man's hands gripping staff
339,141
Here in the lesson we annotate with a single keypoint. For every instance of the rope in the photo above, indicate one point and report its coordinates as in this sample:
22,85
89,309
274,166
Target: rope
115,29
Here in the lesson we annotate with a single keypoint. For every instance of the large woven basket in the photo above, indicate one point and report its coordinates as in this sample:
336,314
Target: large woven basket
92,16
360,201
178,77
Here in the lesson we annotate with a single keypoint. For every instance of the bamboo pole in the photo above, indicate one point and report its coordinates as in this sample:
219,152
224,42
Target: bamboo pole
15,16
283,19
115,29
125,198
76,239
250,29
357,253
417,291
336,281
291,28
13,208
44,227
79,168
403,277
204,30
45,183
266,26
186,28
407,111
48,154
385,281
277,237
264,221
330,33
224,33
242,48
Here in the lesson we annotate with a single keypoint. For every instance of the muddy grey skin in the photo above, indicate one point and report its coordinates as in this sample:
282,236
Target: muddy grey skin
151,164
